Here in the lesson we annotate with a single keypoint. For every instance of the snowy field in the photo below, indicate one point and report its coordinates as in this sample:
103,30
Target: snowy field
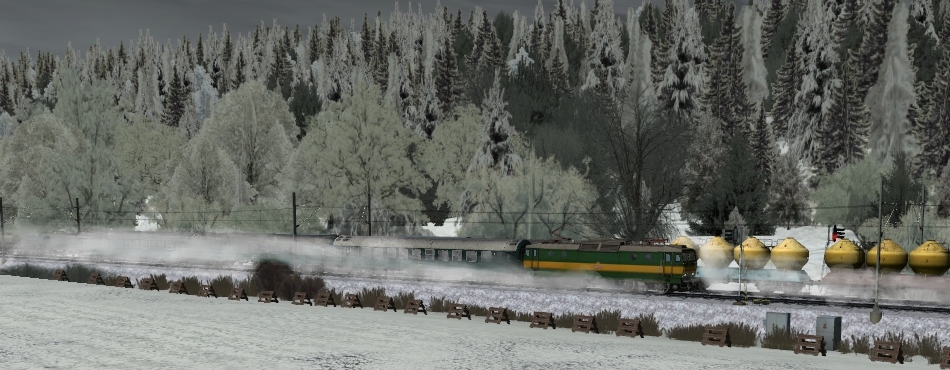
47,324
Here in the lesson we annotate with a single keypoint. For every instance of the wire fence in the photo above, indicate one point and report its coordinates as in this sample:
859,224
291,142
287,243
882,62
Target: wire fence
311,214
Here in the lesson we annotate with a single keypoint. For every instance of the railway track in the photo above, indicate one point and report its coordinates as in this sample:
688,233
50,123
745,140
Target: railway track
539,286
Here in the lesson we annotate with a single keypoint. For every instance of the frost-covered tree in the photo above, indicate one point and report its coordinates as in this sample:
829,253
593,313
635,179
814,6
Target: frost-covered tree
357,151
604,56
147,153
35,167
639,73
538,41
683,85
148,100
205,186
204,96
497,150
89,106
254,127
788,193
446,157
817,48
557,63
543,193
891,97
754,72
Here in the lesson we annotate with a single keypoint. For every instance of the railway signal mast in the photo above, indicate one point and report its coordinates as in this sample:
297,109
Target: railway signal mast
876,313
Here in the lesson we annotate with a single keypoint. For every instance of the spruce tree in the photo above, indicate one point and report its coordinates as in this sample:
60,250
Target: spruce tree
788,194
200,53
784,90
933,131
557,63
889,99
497,151
871,53
539,30
239,67
223,79
725,94
315,45
773,18
604,57
448,86
683,86
175,104
367,38
943,192
381,56
843,136
817,46
762,143
6,101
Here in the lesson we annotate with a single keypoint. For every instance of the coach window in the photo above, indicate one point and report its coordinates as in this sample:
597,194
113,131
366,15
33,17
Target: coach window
633,256
678,258
550,254
667,257
563,254
649,256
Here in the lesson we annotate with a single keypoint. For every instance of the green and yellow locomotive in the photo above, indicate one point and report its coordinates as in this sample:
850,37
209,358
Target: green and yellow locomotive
665,268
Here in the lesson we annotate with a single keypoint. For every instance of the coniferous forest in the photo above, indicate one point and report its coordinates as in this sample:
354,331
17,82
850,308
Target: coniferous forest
584,121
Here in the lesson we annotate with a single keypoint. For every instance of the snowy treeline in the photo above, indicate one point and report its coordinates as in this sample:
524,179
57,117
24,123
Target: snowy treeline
586,118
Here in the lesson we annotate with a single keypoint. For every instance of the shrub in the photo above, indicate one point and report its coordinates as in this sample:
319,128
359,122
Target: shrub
780,339
650,326
691,333
268,274
740,334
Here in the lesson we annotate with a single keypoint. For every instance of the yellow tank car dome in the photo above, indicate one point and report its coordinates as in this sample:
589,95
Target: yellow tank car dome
929,259
756,254
789,255
684,241
716,253
893,257
844,255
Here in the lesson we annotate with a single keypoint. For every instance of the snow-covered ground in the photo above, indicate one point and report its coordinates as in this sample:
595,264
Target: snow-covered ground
47,324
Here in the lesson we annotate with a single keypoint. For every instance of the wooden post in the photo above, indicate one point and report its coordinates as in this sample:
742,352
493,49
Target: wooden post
77,216
1,231
369,207
294,207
